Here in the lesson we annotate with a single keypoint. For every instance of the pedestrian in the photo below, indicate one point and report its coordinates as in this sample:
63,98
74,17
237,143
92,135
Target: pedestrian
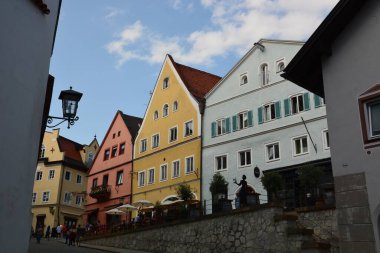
72,235
58,231
65,233
47,233
79,234
243,191
39,233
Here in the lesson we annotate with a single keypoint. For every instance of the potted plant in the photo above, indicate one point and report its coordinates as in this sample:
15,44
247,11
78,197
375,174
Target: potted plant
310,177
184,192
219,190
273,183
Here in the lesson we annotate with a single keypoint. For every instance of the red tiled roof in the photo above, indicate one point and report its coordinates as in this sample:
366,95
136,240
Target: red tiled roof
71,149
198,82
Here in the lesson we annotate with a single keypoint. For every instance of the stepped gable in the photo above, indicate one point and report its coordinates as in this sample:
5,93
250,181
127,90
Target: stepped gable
133,123
198,82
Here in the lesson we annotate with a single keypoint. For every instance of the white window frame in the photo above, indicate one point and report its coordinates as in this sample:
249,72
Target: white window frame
297,96
161,172
165,110
64,198
185,128
67,171
241,78
141,183
34,197
44,200
244,116
155,115
170,134
80,198
222,122
238,158
264,74
216,162
153,141
42,152
143,144
368,107
270,106
39,178
294,139
165,83
179,168
151,180
187,172
278,63
175,106
325,133
119,180
81,179
267,146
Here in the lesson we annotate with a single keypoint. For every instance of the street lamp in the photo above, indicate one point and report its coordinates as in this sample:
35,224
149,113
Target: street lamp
70,99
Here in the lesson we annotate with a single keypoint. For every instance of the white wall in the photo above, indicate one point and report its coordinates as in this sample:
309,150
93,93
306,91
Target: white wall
25,50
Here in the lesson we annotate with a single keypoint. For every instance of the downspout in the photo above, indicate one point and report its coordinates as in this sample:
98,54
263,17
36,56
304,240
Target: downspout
202,106
60,194
133,155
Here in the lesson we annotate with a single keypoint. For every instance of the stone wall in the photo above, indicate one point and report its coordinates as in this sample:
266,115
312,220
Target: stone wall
253,230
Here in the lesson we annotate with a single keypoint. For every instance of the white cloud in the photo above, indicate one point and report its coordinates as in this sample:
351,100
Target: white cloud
113,12
235,26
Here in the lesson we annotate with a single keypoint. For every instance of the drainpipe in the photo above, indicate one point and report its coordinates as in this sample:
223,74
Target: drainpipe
130,195
60,194
202,106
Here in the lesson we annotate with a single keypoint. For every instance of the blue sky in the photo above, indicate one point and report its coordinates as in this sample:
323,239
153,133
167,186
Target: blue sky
112,50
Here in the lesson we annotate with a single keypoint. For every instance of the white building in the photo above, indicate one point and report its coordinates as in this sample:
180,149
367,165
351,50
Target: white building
28,30
255,118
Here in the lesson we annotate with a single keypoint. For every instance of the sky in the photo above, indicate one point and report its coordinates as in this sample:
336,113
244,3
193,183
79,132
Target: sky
112,50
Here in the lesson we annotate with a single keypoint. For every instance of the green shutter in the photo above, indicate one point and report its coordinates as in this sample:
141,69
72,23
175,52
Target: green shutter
213,129
317,101
234,123
250,118
228,125
306,101
277,107
287,107
260,114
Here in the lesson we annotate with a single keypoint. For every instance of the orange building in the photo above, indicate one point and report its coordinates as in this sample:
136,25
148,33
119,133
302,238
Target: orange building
109,178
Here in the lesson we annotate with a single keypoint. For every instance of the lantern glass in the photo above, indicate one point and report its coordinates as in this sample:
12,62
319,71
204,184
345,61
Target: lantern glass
70,99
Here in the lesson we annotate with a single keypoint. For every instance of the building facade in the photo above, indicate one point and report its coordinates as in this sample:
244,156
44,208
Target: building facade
340,62
168,146
109,178
255,120
60,181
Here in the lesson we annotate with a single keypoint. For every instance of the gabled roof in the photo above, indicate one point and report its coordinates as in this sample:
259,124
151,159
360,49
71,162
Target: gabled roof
133,123
71,151
198,82
305,68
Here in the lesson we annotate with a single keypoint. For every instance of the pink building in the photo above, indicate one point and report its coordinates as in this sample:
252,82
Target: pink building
109,179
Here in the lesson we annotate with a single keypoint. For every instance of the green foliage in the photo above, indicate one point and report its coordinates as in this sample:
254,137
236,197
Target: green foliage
310,176
273,183
184,192
218,184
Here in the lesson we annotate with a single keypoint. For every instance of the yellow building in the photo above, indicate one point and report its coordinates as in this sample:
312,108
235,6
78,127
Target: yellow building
167,149
60,180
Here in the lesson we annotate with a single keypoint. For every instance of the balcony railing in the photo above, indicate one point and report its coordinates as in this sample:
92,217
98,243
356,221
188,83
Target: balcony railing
100,192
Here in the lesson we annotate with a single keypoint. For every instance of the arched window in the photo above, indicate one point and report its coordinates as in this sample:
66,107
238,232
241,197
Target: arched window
155,115
243,79
264,74
175,106
42,154
165,83
280,66
165,110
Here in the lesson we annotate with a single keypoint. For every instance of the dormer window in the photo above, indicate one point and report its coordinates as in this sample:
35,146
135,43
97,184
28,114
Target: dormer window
42,154
155,115
165,83
165,110
280,65
264,74
243,79
175,106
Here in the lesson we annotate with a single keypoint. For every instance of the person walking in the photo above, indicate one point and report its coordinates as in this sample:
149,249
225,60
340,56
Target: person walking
79,234
47,233
59,231
243,191
39,233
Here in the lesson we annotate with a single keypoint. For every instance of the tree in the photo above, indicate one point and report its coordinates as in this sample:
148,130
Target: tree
218,184
184,192
310,177
273,183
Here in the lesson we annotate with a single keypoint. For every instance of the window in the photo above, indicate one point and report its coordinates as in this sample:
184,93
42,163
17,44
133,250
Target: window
189,161
67,198
119,177
68,175
221,126
269,112
300,145
296,104
118,133
273,152
34,197
172,134
114,151
318,101
175,169
94,182
79,179
165,83
165,110
143,145
90,157
243,79
51,174
155,140
242,120
42,153
122,149
244,158
151,176
45,196
38,175
113,136
264,74
188,128
373,112
326,140
78,200
175,106
221,162
107,154
280,65
163,172
141,178
155,115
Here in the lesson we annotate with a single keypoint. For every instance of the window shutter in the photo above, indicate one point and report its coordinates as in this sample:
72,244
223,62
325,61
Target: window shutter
228,125
250,118
287,107
213,129
317,101
260,114
234,123
306,101
277,106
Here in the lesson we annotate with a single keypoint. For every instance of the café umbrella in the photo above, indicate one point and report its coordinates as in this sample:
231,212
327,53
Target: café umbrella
142,203
115,212
126,208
